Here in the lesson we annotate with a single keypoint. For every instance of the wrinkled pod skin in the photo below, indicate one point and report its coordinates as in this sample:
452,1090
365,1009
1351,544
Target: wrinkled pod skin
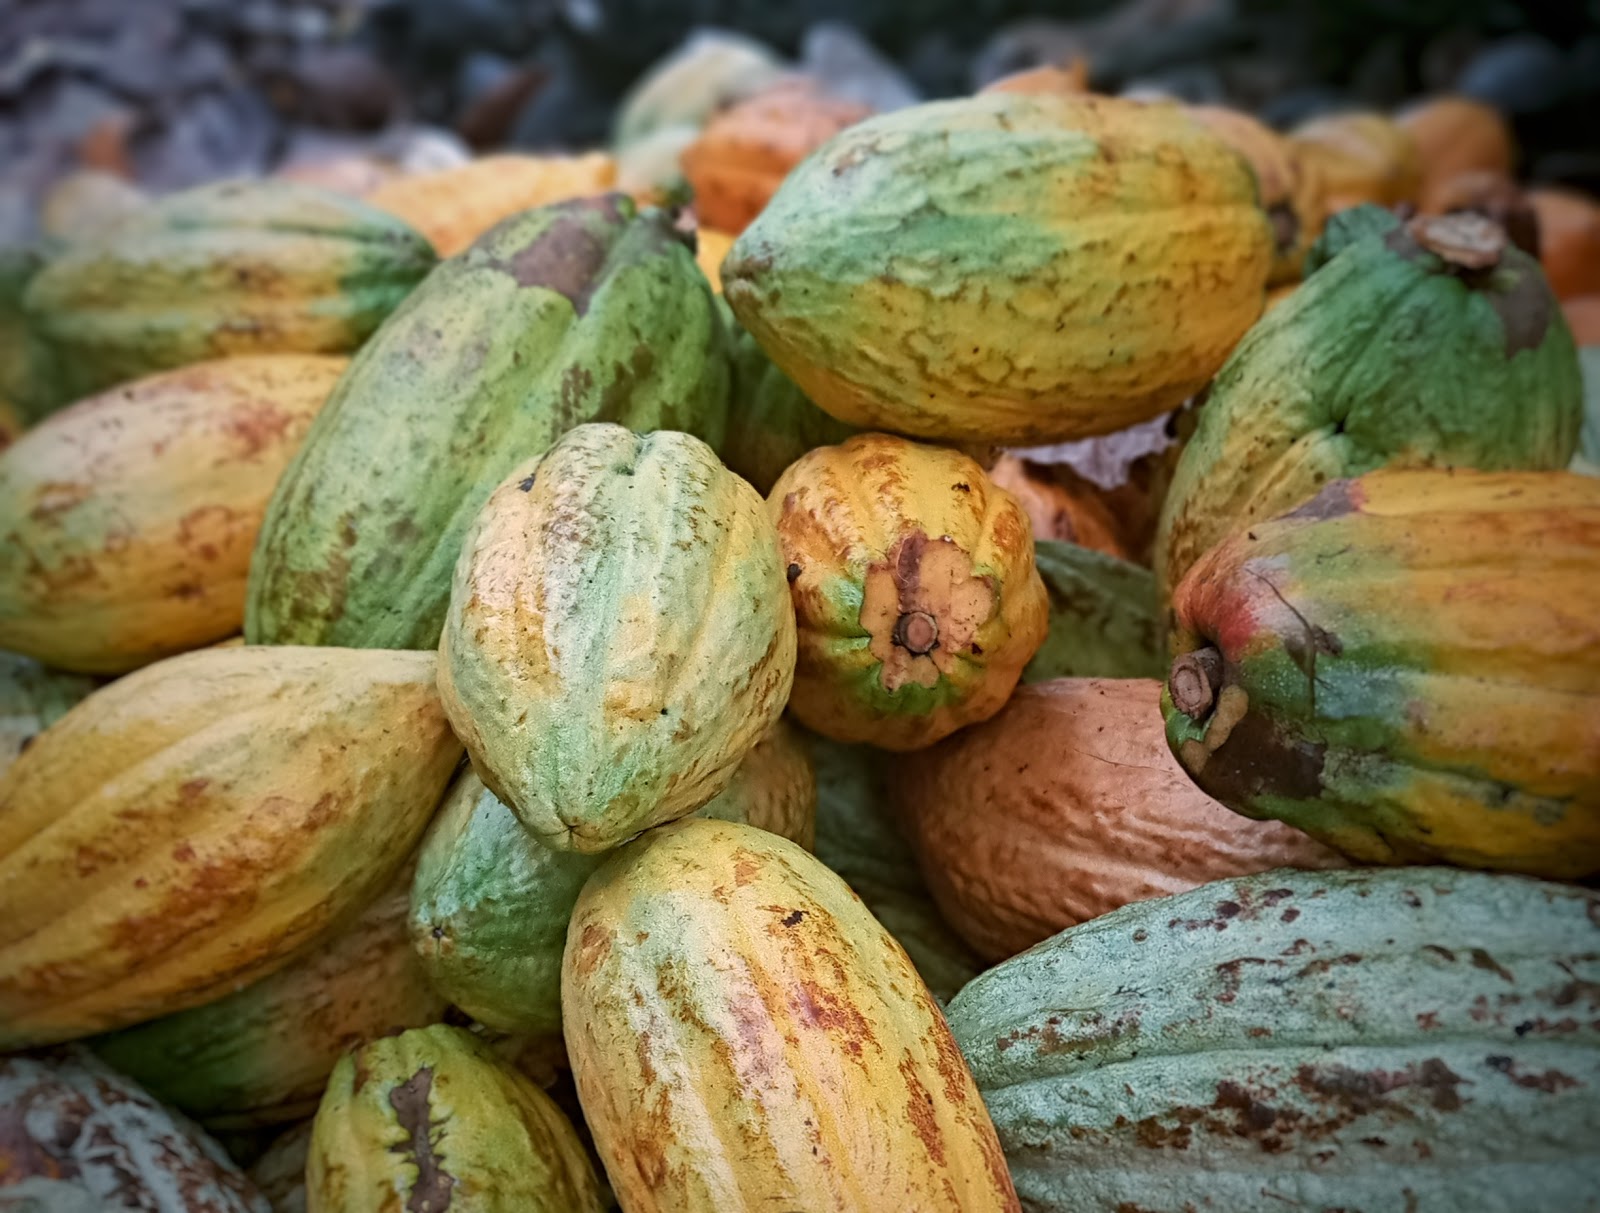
587,310
491,903
619,635
744,1035
1408,668
431,1119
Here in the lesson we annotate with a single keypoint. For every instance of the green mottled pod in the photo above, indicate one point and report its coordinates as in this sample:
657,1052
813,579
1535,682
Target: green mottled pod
619,635
744,1035
771,422
491,903
239,267
32,698
262,1055
1006,268
1104,618
581,311
1428,344
29,378
431,1120
1410,1039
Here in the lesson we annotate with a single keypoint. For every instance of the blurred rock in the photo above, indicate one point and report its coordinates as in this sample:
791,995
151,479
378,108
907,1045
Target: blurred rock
1195,84
212,135
710,69
1523,74
850,68
937,64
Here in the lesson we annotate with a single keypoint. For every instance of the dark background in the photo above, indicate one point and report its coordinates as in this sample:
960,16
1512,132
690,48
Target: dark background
173,92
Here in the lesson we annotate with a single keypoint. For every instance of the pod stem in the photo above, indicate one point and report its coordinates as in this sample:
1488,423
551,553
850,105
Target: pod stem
1194,682
1465,240
916,632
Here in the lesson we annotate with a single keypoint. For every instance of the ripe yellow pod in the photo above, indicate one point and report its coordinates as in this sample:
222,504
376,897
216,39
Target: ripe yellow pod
745,1035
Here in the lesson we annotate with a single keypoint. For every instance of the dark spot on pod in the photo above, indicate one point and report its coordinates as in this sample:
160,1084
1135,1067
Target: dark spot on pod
526,484
793,573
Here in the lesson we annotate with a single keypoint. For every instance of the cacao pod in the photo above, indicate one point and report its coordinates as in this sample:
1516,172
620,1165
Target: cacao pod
1361,157
744,153
710,247
581,311
29,378
280,1172
914,587
1105,621
1061,504
262,1056
455,206
194,825
1083,809
1407,668
1583,318
86,203
1455,135
619,635
240,267
76,1137
1426,344
432,1120
1495,197
1419,1038
490,905
1006,268
744,1034
859,840
1290,184
1569,240
129,517
710,70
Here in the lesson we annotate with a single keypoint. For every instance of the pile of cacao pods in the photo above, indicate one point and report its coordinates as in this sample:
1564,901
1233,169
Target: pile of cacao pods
513,702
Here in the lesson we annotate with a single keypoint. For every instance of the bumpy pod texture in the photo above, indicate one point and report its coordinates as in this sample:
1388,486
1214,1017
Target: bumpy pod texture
914,586
619,635
1422,345
262,1056
241,267
195,825
1418,1038
432,1120
745,1035
1408,668
491,903
1006,268
127,520
581,311
76,1137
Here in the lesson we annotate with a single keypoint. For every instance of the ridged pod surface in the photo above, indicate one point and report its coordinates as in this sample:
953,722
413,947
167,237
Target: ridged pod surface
619,635
76,1137
858,838
745,1035
914,589
1066,806
32,698
581,311
1104,617
430,1120
490,906
192,826
1362,158
128,518
29,380
240,267
455,206
1408,668
1006,268
1420,1039
1425,344
262,1056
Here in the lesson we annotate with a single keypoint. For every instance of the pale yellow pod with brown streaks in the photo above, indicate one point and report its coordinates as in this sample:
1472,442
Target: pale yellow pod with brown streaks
193,826
746,1036
127,520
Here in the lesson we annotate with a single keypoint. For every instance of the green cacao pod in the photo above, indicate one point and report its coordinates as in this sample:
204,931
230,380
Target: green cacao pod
77,1137
771,422
29,378
32,698
262,1056
240,267
1105,620
1006,268
491,903
432,1120
1432,343
1407,668
196,824
858,838
745,1035
1421,1039
914,590
619,635
582,311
